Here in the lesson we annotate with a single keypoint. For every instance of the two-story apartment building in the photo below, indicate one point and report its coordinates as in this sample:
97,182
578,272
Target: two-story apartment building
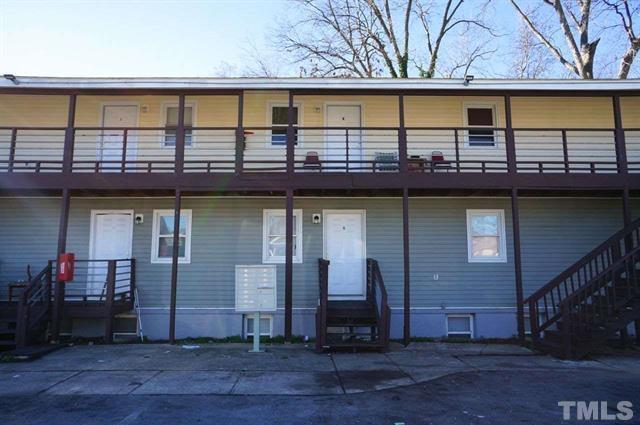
470,199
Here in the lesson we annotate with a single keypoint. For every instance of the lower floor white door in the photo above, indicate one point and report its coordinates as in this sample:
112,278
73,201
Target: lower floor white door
345,248
111,239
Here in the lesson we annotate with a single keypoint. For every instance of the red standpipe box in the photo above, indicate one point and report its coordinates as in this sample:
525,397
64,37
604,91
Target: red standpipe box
66,266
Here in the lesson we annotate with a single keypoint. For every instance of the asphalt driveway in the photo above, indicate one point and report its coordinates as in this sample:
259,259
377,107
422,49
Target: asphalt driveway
424,383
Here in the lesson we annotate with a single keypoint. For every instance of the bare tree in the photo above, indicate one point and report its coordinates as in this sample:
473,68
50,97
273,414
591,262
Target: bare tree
368,38
439,21
573,23
334,38
626,13
529,57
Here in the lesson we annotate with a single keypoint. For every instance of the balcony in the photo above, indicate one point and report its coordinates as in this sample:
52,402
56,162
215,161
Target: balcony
317,150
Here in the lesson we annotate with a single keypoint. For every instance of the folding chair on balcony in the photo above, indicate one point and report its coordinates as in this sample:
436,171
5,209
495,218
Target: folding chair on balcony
385,161
312,161
438,162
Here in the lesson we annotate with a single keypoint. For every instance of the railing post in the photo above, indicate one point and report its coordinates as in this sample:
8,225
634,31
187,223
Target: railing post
240,143
125,134
621,148
346,141
69,137
179,154
565,151
566,331
456,139
12,149
22,322
110,295
132,280
510,144
402,137
533,320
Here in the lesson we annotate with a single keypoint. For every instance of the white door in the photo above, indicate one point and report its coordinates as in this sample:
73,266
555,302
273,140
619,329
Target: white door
111,239
111,142
345,248
344,147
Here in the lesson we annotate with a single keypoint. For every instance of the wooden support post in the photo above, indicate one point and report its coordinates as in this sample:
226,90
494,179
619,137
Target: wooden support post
110,295
174,265
407,276
628,243
291,136
517,259
288,267
402,137
179,154
240,143
621,148
69,136
510,143
56,317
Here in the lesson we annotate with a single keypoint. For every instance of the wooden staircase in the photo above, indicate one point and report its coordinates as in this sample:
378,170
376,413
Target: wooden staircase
591,300
353,324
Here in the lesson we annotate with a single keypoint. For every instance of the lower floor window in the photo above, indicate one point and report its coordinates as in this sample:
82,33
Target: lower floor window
459,326
162,242
266,325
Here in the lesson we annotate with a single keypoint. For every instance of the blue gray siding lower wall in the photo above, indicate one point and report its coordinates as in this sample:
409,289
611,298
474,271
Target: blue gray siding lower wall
227,231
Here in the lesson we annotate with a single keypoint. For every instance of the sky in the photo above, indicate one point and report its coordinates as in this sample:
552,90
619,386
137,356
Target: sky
130,38
168,38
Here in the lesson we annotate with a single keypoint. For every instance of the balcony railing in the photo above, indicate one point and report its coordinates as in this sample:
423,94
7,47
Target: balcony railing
317,150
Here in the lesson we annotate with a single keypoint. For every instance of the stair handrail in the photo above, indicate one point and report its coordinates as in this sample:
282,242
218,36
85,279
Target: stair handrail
573,314
323,303
578,275
34,305
375,286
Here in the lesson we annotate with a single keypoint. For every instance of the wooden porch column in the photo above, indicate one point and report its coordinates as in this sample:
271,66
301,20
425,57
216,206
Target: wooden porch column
62,247
179,155
288,267
510,143
626,217
291,142
407,277
69,136
240,135
621,147
174,265
517,260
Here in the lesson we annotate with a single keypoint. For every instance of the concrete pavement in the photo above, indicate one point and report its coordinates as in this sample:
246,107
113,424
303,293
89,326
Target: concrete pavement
284,370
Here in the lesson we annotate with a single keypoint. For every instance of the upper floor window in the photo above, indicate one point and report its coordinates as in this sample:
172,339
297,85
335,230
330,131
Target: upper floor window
486,236
480,116
280,122
171,122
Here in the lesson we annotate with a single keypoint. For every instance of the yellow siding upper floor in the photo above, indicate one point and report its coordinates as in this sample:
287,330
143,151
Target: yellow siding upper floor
376,111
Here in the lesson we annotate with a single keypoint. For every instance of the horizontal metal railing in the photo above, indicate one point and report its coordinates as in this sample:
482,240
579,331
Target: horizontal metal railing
317,149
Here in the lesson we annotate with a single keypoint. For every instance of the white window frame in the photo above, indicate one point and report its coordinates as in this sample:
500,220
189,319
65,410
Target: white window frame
248,331
458,315
155,237
163,123
297,256
269,141
465,117
502,243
